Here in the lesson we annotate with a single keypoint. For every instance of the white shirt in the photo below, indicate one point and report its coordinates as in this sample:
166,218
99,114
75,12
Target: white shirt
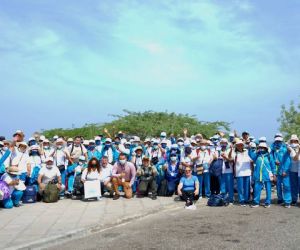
106,172
204,158
295,164
77,151
92,176
49,174
20,159
60,157
47,153
243,163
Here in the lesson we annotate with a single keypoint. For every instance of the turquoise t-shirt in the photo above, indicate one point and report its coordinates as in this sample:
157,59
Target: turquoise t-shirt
188,183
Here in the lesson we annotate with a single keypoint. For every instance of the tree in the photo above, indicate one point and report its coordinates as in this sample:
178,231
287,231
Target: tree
146,124
290,120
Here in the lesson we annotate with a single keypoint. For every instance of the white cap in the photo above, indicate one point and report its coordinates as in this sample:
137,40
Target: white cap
34,147
193,141
108,140
147,140
278,138
231,134
86,142
1,143
278,135
127,143
22,143
294,138
92,142
81,158
164,141
97,138
59,140
31,139
19,132
42,138
180,139
136,138
155,141
70,139
163,134
252,145
138,148
262,145
49,159
216,137
263,139
224,140
46,141
239,142
55,137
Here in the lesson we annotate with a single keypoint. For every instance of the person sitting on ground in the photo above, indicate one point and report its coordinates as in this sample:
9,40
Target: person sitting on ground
123,175
188,188
147,175
48,174
16,187
105,175
92,173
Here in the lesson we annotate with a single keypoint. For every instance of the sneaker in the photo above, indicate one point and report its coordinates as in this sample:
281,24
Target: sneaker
61,197
154,197
279,202
254,205
200,198
99,198
267,206
230,204
116,197
243,205
287,206
294,204
191,207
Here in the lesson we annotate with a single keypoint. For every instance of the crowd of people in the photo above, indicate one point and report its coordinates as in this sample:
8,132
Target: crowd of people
190,166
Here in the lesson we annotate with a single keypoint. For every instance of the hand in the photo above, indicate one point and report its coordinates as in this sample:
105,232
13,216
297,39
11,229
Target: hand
284,174
196,192
58,186
122,175
185,131
105,130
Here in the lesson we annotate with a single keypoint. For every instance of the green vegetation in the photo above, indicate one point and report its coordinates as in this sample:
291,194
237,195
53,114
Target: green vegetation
290,120
145,124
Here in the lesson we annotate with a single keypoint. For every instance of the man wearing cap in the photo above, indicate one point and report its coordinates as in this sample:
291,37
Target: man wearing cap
263,174
77,149
106,175
147,174
46,149
16,188
48,173
137,157
282,160
294,149
124,173
18,136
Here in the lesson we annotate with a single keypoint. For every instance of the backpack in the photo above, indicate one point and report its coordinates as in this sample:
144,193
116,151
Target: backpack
217,200
4,189
51,193
29,195
78,187
216,168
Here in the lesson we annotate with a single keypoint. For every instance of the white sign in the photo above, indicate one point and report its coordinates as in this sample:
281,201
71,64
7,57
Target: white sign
92,189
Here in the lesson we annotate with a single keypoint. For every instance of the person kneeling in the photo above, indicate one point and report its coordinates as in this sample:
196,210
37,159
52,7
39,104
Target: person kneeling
49,181
147,174
188,188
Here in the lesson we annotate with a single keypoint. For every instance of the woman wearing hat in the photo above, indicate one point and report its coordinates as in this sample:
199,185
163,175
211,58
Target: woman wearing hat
294,149
20,158
263,173
16,187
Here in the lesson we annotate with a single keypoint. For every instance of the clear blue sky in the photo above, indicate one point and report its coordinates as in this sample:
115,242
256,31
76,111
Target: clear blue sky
74,62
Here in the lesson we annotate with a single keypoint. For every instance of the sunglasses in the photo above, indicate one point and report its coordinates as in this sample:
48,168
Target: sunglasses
188,170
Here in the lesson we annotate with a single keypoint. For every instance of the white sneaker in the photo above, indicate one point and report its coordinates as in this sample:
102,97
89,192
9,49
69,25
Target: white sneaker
254,206
287,206
267,206
99,198
200,197
191,207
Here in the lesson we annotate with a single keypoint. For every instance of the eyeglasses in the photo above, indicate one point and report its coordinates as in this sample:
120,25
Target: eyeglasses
187,171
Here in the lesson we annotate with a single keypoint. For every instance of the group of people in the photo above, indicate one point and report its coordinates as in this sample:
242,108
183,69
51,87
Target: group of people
190,166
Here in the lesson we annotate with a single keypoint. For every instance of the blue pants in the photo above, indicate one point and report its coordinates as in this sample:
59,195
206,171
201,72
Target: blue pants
71,182
295,186
284,189
14,200
206,178
243,186
227,185
258,185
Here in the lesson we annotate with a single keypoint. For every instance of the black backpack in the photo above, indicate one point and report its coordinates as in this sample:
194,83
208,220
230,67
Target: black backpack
217,200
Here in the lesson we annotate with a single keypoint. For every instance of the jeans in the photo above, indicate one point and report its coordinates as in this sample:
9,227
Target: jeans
243,186
258,185
14,200
295,186
205,177
227,185
284,189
